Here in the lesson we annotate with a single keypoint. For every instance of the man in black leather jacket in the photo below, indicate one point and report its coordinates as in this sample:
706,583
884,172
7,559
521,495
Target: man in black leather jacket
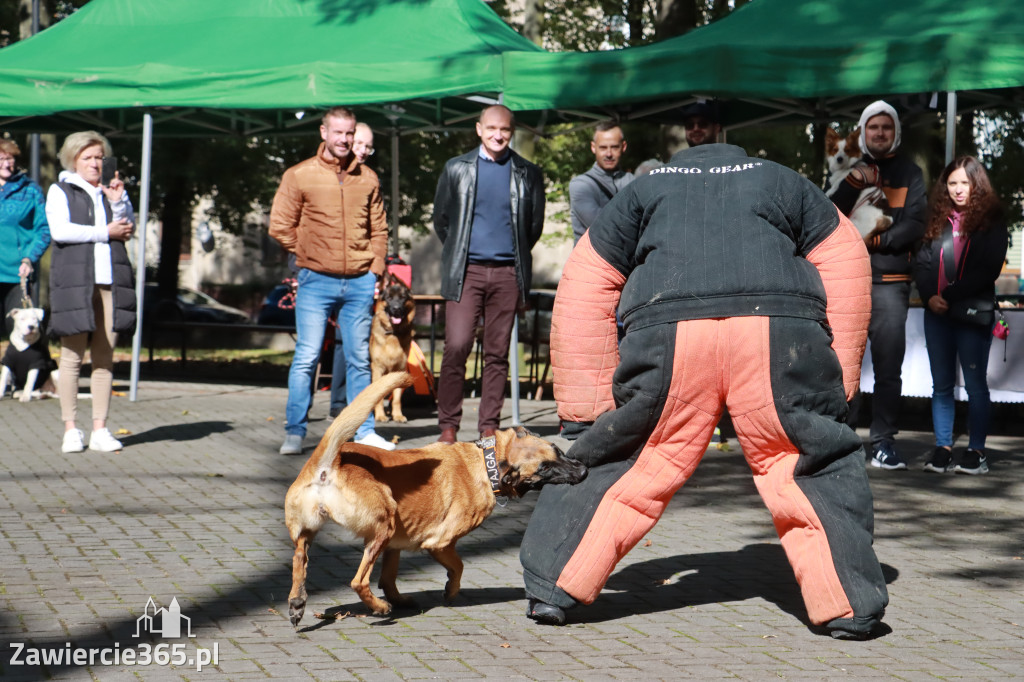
488,214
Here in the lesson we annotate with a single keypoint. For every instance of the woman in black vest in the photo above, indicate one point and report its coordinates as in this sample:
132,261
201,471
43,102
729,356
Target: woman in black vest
955,270
91,280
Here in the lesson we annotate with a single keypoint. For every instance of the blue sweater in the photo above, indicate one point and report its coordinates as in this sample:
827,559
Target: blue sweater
491,240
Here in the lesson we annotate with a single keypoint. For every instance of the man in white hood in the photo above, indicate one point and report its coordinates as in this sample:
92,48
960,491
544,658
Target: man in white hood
903,184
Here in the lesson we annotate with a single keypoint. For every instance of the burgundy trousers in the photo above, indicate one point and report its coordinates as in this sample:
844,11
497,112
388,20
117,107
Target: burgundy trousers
490,293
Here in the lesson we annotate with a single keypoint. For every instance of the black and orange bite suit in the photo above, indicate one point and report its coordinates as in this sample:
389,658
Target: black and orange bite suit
740,286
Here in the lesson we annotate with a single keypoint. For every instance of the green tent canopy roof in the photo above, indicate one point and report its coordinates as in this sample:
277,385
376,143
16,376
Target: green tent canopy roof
256,55
792,49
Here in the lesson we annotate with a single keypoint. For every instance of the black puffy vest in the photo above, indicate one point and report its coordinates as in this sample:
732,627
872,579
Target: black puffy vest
73,276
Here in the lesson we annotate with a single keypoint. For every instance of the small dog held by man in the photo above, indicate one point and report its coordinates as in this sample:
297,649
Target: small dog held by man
27,362
870,213
391,335
421,498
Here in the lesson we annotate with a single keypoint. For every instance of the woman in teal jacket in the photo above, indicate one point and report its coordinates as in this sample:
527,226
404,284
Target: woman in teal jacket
24,232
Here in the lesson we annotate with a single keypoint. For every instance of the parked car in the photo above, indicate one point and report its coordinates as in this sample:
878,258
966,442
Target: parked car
278,307
193,306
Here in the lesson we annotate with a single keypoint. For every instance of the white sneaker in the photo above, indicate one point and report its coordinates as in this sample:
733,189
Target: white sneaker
102,441
74,441
376,441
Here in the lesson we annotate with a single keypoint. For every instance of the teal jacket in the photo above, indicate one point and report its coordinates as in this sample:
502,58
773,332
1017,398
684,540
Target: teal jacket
24,232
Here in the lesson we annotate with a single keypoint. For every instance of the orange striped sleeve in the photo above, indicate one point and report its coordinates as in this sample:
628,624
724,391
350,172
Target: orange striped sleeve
584,344
845,268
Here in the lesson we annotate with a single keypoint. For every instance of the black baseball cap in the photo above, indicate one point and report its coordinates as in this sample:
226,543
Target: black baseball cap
707,109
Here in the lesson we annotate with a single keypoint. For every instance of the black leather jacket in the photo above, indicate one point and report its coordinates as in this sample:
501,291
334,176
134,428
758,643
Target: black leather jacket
453,218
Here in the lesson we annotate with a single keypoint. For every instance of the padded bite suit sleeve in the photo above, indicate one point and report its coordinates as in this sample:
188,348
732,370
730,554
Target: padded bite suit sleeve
584,345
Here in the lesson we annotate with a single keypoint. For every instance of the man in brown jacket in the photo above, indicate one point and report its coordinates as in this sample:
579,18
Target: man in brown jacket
329,212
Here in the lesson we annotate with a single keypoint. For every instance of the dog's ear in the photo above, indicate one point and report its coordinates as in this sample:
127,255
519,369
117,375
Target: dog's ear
522,431
832,139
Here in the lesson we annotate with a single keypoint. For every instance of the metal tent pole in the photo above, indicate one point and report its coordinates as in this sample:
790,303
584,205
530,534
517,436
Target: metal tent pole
513,361
140,259
950,125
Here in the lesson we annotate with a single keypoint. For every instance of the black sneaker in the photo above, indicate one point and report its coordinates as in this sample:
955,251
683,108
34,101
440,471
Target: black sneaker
885,457
941,461
973,463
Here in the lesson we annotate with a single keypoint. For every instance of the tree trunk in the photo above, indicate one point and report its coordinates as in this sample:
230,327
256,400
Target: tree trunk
175,210
675,17
532,15
635,21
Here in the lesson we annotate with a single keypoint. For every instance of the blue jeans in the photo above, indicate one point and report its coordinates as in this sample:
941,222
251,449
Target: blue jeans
318,296
339,398
946,340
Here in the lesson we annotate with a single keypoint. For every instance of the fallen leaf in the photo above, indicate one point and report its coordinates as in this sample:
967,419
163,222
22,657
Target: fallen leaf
274,611
184,412
768,636
123,432
270,419
663,581
394,439
214,475
648,543
333,616
119,394
506,645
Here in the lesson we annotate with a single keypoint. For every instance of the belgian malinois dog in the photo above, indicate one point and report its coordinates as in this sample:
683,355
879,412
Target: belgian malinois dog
423,498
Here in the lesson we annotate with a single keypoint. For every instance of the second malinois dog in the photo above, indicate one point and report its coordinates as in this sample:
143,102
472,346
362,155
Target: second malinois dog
390,339
423,498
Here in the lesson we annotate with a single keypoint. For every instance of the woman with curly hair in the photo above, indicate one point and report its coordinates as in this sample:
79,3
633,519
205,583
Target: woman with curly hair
956,268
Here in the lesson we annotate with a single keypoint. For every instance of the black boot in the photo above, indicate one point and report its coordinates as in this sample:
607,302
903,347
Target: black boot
546,614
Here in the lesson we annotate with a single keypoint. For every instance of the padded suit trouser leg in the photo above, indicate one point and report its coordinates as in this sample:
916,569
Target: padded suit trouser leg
782,385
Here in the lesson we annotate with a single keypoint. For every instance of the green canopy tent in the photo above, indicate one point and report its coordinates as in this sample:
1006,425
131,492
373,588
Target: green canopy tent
778,59
253,67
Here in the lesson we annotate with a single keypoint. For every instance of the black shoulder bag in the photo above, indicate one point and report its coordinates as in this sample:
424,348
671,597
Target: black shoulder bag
973,309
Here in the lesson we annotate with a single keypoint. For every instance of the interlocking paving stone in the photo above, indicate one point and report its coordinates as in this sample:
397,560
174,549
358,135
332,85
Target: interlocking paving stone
192,509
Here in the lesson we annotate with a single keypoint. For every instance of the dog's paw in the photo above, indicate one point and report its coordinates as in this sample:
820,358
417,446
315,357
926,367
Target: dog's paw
400,419
296,607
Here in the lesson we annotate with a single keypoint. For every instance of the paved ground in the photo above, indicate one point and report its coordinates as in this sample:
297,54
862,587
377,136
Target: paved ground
192,509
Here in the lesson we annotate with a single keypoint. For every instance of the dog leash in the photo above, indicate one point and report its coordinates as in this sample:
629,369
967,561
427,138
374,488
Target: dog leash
26,302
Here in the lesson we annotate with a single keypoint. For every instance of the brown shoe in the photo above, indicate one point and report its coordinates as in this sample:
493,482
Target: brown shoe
487,433
447,434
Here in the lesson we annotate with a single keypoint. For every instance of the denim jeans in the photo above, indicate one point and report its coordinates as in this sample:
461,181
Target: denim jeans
946,340
318,296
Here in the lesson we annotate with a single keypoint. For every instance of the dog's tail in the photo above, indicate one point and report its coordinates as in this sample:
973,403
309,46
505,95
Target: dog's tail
347,423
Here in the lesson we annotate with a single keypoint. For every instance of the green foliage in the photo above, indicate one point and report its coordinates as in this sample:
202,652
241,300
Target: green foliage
1002,151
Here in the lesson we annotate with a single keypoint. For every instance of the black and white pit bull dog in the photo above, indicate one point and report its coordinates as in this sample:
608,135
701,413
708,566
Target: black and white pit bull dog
27,362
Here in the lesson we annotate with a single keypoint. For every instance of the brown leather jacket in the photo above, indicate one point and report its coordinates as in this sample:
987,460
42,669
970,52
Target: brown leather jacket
332,228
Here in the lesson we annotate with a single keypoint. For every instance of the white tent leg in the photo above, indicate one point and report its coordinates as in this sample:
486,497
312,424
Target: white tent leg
140,259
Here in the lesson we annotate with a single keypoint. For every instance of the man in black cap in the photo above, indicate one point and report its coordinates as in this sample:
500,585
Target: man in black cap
702,123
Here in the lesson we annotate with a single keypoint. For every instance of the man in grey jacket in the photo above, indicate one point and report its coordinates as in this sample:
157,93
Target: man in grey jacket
590,191
488,214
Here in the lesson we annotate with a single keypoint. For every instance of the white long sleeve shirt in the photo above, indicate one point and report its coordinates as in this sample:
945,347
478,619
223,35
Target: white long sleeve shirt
65,231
